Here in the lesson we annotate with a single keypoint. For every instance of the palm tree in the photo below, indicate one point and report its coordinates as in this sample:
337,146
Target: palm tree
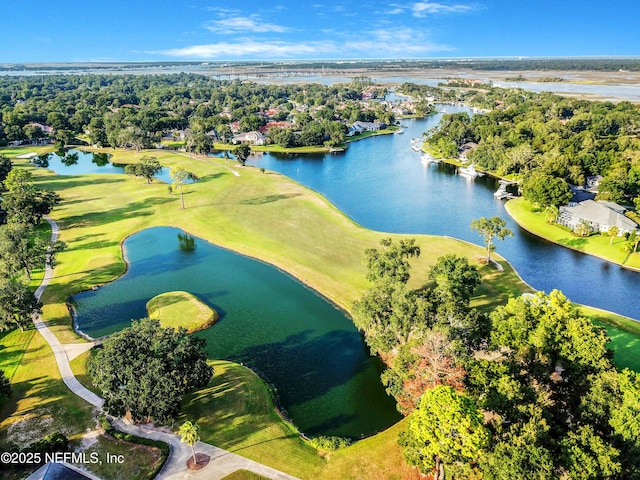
613,232
551,213
583,229
189,435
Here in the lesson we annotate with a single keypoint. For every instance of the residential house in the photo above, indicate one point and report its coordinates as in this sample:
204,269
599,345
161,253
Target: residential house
359,127
213,135
252,138
46,129
580,195
177,135
599,215
265,128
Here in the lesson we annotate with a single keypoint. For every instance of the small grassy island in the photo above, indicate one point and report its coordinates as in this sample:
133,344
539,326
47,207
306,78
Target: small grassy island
181,309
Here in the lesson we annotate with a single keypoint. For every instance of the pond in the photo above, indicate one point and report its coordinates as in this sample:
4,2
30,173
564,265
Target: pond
381,183
77,162
301,343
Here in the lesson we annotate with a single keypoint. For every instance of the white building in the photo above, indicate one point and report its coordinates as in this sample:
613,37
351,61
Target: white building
599,215
252,138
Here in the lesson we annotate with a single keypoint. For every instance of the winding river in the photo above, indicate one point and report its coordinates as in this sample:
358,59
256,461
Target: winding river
381,184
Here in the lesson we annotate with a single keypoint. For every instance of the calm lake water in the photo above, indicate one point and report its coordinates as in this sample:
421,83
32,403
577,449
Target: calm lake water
77,162
310,350
381,184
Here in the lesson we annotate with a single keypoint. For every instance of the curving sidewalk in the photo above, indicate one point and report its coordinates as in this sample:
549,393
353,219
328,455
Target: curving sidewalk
222,463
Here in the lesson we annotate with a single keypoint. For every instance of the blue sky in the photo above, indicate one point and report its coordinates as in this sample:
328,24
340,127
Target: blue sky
117,30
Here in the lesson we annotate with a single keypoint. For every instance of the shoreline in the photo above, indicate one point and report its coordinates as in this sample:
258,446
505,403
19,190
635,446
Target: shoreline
524,225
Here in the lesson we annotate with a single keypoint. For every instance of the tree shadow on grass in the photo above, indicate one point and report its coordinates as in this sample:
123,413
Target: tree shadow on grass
73,202
59,182
578,243
134,209
212,176
284,437
90,245
268,199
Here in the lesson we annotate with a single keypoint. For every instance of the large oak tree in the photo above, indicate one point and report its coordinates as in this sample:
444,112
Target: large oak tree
145,370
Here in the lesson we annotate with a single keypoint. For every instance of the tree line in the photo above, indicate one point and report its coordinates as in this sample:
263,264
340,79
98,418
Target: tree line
23,248
528,390
135,111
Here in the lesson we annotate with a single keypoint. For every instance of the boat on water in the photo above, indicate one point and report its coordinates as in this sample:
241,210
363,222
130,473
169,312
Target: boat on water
469,171
502,192
398,132
427,159
416,140
416,148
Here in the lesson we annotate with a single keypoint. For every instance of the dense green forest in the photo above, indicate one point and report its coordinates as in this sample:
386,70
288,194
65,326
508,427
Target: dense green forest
527,391
137,111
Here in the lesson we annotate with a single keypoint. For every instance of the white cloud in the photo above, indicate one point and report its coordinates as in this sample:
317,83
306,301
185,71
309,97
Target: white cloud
224,11
251,48
422,9
238,24
380,43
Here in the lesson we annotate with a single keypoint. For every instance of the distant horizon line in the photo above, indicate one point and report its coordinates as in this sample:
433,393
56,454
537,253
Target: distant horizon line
4,64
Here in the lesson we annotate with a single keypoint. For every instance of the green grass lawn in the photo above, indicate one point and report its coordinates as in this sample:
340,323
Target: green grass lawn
41,403
235,412
266,216
181,309
244,475
525,215
279,149
624,334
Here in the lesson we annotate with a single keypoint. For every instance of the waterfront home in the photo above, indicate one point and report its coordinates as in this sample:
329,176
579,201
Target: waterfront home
252,138
359,127
600,216
213,135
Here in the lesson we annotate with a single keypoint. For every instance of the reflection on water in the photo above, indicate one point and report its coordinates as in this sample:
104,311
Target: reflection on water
186,242
77,162
306,347
69,158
